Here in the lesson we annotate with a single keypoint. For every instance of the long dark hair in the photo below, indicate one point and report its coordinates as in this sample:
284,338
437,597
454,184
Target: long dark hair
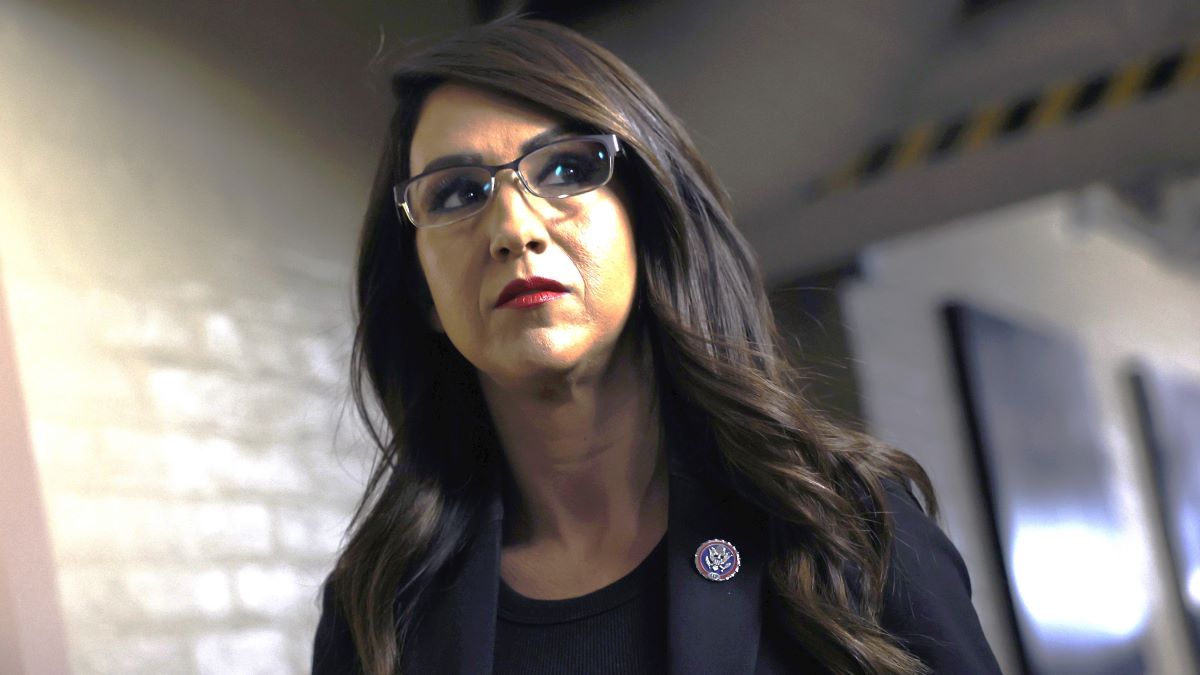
720,374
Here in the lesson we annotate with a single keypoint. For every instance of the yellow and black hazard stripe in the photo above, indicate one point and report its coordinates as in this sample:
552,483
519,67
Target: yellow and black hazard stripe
1064,103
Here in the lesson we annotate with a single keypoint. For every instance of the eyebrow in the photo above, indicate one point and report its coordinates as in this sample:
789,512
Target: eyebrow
473,159
452,160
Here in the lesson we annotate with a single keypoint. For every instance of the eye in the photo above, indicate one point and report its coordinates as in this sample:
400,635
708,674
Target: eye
456,192
570,169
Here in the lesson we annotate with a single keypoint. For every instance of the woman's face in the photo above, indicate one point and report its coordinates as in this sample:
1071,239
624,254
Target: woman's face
585,243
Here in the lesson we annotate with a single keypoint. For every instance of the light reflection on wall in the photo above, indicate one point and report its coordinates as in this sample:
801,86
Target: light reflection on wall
1074,599
1075,565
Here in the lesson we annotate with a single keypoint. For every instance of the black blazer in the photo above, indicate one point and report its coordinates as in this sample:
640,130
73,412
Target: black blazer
714,627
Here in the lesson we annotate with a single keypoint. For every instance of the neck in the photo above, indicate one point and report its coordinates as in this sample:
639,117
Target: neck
589,474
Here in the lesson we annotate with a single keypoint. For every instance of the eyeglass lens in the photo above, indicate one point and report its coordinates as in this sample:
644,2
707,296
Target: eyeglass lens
558,170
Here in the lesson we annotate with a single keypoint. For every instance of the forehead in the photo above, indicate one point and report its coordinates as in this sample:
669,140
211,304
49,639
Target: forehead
457,119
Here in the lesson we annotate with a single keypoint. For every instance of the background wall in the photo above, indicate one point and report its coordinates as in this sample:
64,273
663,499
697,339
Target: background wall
176,256
1075,264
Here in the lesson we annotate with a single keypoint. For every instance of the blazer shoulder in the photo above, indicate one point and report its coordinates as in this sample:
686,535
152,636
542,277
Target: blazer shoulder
927,602
333,647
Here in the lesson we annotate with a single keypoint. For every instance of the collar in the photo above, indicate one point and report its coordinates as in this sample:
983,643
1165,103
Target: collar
713,627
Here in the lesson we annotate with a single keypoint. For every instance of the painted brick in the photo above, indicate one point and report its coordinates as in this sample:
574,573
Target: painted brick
223,337
184,465
173,593
326,357
340,475
260,345
247,652
144,324
276,591
132,654
280,310
122,528
96,593
216,401
81,390
45,310
64,452
121,596
310,532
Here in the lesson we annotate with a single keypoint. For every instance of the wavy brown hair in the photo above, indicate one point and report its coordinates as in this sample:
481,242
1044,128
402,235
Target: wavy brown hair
728,395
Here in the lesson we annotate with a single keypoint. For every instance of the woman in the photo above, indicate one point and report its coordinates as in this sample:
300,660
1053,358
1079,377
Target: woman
593,456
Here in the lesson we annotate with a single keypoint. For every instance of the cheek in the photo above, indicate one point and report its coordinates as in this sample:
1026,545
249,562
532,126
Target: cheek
446,277
429,266
608,260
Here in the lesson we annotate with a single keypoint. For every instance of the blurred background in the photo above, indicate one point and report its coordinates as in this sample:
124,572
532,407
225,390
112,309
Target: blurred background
979,221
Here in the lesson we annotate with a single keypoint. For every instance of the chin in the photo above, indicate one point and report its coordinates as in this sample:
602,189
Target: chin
538,358
545,353
534,362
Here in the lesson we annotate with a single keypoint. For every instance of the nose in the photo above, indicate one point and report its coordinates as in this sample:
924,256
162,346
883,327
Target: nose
514,225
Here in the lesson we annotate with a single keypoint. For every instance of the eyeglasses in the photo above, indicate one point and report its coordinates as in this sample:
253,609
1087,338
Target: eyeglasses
557,170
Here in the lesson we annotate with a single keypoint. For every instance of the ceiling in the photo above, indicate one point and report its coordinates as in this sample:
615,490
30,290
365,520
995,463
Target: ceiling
775,94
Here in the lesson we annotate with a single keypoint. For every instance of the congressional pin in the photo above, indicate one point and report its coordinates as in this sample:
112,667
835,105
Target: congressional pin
717,560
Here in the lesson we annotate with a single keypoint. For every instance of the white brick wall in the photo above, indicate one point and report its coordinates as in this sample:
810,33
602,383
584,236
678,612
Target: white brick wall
1068,262
177,262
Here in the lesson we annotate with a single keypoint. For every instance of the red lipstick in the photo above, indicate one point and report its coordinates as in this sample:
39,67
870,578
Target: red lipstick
529,292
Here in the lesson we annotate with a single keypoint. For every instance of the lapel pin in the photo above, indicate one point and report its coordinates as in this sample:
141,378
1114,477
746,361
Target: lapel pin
717,560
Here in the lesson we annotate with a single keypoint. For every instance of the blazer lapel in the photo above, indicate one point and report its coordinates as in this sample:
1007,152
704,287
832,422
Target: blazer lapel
713,626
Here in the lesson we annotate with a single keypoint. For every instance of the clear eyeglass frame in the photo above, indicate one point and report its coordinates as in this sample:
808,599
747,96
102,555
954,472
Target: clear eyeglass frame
400,192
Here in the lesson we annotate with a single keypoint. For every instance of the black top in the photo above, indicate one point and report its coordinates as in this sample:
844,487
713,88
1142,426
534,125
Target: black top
620,629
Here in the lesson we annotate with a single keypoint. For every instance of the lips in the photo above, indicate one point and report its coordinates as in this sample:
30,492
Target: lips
519,287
